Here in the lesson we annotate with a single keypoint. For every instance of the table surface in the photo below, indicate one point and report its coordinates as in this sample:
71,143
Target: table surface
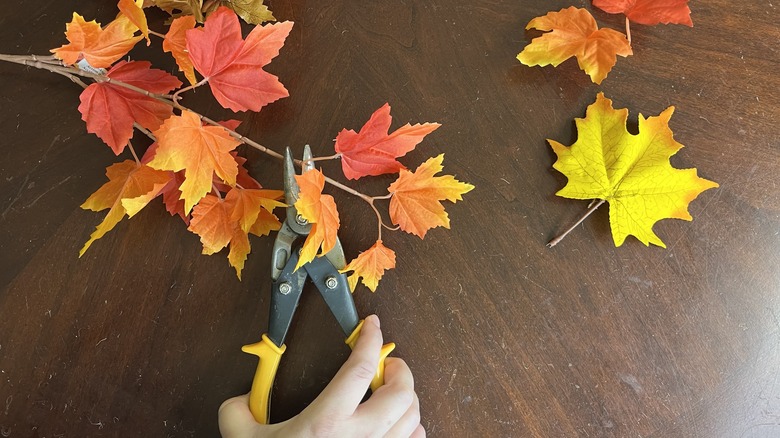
505,337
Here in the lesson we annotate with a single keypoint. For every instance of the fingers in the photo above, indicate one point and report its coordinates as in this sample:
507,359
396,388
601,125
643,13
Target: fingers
394,408
346,390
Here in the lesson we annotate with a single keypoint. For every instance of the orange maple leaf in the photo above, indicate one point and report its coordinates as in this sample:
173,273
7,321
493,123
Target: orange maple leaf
372,151
176,44
201,151
415,205
320,210
100,47
220,222
574,33
649,12
248,203
232,65
130,187
371,265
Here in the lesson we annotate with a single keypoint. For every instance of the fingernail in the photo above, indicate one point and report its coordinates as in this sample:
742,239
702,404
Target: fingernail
373,319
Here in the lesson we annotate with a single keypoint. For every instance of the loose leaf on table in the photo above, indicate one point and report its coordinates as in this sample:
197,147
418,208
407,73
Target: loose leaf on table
176,44
252,11
232,65
631,172
110,110
220,222
415,205
100,47
320,210
650,12
373,151
133,10
130,187
371,266
573,32
201,151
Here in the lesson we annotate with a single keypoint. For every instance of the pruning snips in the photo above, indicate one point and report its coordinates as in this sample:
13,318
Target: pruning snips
286,291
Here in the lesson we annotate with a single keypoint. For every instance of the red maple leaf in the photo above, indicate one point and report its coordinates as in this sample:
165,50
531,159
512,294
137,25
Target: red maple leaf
111,110
649,12
232,65
372,151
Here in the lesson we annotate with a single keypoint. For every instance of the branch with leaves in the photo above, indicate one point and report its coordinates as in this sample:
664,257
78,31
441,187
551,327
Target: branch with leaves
192,163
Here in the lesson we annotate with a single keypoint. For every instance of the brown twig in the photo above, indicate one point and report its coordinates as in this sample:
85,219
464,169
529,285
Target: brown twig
560,237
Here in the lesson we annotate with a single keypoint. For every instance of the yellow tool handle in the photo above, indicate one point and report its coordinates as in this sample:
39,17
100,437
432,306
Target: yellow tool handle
379,377
260,395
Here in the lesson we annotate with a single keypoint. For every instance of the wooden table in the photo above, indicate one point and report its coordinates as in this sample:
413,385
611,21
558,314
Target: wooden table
142,335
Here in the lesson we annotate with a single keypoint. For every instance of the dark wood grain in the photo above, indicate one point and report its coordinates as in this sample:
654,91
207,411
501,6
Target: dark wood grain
142,335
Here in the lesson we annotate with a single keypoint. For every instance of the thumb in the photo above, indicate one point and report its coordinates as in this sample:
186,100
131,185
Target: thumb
235,419
346,390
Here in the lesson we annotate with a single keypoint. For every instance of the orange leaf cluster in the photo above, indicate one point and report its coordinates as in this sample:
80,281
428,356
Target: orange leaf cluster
229,221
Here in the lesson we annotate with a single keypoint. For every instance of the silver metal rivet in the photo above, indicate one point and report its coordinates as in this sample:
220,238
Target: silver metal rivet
331,282
300,220
285,288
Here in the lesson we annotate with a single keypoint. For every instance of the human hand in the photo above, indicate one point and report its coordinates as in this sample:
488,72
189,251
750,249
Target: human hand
392,411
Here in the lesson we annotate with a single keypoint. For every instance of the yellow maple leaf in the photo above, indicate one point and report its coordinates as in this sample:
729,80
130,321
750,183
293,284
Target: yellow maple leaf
100,47
320,210
630,172
371,265
130,187
184,143
416,203
574,33
133,10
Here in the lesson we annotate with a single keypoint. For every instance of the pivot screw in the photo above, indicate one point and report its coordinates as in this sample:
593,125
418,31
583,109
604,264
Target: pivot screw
331,282
300,220
285,288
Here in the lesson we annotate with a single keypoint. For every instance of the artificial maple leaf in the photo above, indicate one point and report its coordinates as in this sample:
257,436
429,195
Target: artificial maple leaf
130,187
201,151
371,265
100,47
176,44
111,110
630,172
650,12
320,210
133,10
247,204
574,33
179,7
233,66
415,205
252,11
372,151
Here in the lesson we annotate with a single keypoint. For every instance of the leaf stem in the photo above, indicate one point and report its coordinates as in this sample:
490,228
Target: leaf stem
628,30
329,157
157,34
132,151
560,237
175,96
